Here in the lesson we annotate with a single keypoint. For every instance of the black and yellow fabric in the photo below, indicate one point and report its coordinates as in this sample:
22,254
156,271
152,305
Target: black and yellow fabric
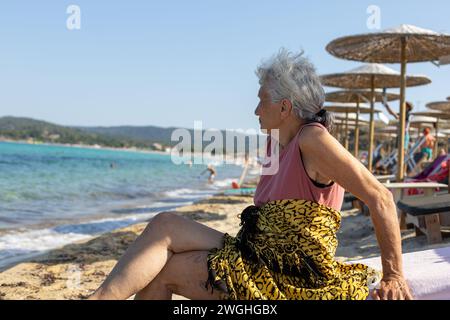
286,250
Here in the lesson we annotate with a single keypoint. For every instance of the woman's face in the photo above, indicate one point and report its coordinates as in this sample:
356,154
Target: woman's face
269,112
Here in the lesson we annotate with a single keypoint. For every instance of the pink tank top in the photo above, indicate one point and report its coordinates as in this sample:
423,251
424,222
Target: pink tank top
292,182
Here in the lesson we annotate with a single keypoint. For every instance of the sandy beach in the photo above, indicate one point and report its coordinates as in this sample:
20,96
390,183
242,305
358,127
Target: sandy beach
76,270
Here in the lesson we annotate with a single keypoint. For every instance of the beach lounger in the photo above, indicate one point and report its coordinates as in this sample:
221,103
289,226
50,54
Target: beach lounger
410,159
427,272
388,162
427,214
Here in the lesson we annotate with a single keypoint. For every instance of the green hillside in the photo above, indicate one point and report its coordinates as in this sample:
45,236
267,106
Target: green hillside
144,137
41,131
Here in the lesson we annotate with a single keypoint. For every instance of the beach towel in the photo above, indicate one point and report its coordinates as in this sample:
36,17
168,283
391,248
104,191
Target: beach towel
430,168
427,272
440,176
285,250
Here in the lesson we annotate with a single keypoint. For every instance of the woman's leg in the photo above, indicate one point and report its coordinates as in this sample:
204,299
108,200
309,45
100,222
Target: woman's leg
166,234
184,274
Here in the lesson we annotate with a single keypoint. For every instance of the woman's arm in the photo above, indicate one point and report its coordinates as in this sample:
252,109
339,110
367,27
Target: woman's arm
333,161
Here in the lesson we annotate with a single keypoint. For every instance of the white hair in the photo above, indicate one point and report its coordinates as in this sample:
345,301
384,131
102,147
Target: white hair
292,76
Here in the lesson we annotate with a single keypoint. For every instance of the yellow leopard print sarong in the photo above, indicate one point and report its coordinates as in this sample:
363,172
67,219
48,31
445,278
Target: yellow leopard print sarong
285,250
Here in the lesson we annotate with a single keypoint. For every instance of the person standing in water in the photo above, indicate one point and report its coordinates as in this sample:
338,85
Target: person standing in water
212,173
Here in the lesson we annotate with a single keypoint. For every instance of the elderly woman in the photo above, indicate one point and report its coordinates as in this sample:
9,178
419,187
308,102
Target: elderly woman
285,248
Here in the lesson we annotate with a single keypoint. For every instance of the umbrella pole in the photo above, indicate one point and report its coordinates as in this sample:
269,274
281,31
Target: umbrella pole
357,131
372,127
346,131
401,135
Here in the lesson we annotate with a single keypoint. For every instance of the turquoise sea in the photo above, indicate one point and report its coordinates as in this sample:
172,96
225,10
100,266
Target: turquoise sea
53,195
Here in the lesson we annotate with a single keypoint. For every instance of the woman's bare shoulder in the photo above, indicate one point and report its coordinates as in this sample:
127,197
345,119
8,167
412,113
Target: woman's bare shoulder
310,135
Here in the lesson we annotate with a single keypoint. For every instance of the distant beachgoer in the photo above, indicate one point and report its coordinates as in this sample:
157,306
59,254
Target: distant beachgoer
212,173
409,107
112,165
286,246
428,144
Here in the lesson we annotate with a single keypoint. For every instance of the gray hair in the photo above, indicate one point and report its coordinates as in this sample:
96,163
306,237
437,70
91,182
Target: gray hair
292,76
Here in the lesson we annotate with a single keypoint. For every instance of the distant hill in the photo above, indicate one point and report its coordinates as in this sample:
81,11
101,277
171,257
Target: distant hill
121,136
152,134
144,134
41,131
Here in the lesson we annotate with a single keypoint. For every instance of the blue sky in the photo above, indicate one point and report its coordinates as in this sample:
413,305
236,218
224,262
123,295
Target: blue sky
169,63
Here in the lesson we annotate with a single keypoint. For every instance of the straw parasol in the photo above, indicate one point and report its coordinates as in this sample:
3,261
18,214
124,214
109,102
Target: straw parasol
358,96
388,129
439,105
351,125
348,109
371,76
340,120
361,78
403,44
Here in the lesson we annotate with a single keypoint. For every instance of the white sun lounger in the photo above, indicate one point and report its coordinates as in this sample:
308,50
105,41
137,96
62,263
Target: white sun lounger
427,272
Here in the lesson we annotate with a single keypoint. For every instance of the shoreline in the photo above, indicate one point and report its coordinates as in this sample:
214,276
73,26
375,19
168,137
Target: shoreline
238,159
84,146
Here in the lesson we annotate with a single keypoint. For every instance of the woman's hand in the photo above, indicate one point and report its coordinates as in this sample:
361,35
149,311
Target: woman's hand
392,289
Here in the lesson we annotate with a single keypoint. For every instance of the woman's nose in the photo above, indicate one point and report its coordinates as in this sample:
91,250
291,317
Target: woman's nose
257,110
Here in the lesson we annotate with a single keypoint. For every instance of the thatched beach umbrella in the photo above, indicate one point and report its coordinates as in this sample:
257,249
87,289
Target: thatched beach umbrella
351,125
348,108
388,129
443,106
340,120
371,76
358,96
398,45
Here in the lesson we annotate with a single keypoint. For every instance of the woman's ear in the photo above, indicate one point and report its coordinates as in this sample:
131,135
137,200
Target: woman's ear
286,105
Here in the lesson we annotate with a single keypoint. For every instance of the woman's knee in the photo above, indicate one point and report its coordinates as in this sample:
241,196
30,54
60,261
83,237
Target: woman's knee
182,234
161,222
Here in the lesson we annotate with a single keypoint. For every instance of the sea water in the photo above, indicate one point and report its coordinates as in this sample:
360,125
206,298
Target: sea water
54,195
